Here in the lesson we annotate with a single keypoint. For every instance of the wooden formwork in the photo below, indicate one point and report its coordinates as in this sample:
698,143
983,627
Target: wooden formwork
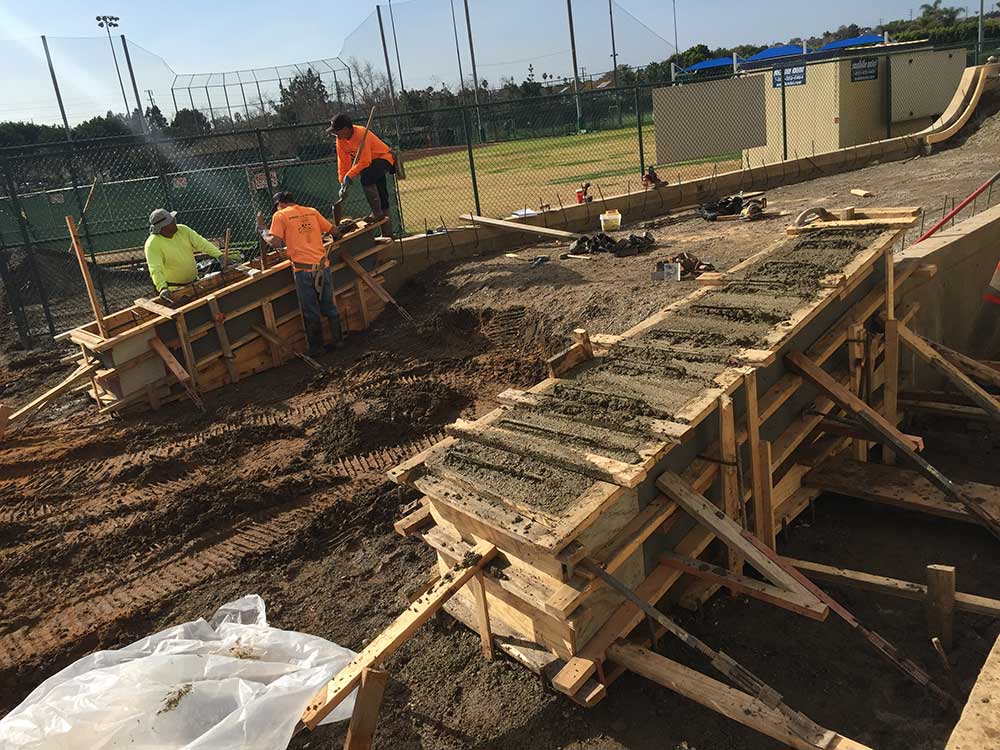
221,329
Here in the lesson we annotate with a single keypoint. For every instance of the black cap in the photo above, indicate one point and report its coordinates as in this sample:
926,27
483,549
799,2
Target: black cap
282,196
340,122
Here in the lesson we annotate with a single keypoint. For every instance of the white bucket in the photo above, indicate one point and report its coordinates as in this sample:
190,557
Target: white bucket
611,220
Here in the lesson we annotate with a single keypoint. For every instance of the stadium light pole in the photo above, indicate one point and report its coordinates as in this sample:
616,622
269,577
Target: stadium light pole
475,73
395,43
576,69
614,50
107,23
677,49
458,49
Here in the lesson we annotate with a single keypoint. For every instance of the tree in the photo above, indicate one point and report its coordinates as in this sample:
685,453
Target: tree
190,122
155,118
371,87
106,126
304,99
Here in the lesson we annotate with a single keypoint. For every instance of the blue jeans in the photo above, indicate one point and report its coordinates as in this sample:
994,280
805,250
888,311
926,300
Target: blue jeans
314,305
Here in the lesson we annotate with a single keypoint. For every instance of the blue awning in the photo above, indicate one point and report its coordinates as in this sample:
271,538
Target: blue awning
785,50
858,41
718,62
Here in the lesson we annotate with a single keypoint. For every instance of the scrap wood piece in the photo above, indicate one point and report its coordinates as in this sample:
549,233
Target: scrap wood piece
9,416
862,193
889,433
904,664
981,371
385,643
721,698
980,605
794,601
595,466
901,488
573,355
518,226
415,520
923,349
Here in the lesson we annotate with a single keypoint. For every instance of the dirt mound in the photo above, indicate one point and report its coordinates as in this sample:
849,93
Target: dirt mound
388,414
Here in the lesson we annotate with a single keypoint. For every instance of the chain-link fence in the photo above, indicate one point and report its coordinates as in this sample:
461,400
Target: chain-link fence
497,158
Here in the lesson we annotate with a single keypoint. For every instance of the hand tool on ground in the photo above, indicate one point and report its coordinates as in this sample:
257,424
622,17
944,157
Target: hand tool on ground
726,665
338,207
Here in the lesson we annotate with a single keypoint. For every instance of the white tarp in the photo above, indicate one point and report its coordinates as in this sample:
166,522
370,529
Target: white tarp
233,683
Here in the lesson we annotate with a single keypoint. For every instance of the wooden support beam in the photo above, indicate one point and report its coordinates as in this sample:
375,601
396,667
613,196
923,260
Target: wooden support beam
941,602
980,371
979,605
573,355
764,502
277,349
960,380
218,319
798,602
88,282
156,308
414,521
732,504
189,360
390,639
175,367
763,526
361,730
890,390
856,340
721,698
9,416
478,589
519,227
888,432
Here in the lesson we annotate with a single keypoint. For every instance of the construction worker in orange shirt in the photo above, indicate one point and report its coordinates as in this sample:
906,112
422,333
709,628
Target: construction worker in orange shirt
300,230
375,161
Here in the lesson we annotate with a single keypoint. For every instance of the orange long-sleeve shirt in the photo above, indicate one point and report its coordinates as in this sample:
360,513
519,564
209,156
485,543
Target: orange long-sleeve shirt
375,148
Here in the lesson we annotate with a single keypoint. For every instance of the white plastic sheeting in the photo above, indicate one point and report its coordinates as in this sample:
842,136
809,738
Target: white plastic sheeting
230,683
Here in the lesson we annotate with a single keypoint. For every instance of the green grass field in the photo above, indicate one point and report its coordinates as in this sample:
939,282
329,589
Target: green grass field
524,174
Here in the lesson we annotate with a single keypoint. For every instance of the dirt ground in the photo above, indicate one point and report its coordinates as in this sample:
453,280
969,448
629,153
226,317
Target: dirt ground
112,529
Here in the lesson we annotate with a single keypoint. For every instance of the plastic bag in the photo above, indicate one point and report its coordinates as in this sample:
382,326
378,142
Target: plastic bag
231,683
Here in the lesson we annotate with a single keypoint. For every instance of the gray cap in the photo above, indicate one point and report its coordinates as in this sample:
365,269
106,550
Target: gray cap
160,218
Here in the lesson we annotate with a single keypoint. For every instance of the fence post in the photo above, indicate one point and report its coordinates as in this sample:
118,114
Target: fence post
472,161
638,121
22,224
263,161
85,225
16,306
154,143
784,118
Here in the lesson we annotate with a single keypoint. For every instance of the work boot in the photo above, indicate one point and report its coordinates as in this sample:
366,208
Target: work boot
314,337
378,210
336,335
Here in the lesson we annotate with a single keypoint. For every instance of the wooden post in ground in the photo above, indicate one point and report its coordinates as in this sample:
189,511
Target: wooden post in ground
361,730
941,602
88,282
731,499
482,614
890,366
856,355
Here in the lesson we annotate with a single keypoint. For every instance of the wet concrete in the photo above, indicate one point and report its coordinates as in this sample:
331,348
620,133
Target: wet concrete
657,373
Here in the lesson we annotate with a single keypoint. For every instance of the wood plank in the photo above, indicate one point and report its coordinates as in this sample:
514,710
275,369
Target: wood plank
764,502
851,403
799,602
902,488
979,605
88,282
941,603
519,227
971,367
732,504
277,349
175,367
959,379
979,726
361,730
185,340
561,363
9,416
390,639
721,698
612,556
414,521
218,319
482,614
901,222
366,277
156,308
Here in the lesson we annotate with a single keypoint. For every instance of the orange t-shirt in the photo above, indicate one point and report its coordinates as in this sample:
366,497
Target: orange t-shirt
375,148
301,228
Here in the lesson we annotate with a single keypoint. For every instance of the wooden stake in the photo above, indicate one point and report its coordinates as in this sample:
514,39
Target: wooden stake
764,502
890,366
763,526
88,282
730,479
189,360
941,602
856,355
361,730
482,614
220,330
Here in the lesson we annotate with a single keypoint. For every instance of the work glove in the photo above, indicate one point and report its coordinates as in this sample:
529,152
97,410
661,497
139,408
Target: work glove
344,185
165,295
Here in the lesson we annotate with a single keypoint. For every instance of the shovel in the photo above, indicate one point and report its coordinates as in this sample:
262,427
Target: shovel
338,207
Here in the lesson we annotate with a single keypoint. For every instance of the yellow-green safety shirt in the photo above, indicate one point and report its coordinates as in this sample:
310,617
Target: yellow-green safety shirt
171,259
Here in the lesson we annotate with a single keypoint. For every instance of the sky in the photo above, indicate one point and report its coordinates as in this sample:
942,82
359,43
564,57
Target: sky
197,37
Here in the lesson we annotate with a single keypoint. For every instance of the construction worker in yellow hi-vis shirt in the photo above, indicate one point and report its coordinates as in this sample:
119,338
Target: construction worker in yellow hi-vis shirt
170,250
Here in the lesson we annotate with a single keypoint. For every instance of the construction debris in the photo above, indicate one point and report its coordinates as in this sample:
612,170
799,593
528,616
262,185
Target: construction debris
604,243
746,206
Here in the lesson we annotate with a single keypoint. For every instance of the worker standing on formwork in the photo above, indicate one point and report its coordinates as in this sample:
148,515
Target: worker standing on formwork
300,230
371,166
982,342
170,250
